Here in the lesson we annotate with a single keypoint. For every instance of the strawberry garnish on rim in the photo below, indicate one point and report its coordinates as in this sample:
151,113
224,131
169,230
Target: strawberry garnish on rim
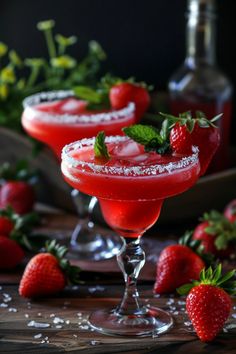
208,302
186,131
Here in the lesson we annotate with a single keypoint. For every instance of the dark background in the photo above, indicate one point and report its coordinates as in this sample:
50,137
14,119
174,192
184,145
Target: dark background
145,39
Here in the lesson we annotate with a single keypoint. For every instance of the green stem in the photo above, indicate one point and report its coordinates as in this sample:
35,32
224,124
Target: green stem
61,49
50,43
33,76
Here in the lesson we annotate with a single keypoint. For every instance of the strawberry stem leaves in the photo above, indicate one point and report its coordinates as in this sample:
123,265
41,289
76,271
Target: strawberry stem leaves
214,278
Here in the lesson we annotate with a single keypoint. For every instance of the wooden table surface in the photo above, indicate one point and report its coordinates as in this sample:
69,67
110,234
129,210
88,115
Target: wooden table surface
59,324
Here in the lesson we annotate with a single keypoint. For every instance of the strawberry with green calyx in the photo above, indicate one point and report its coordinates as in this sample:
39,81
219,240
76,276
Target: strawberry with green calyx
116,93
208,302
216,234
230,211
17,190
177,265
199,131
48,273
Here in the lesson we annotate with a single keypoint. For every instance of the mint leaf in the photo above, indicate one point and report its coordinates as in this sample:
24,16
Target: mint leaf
148,136
100,148
88,94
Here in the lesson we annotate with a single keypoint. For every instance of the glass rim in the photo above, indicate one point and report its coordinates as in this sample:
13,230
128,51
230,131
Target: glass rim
147,171
37,98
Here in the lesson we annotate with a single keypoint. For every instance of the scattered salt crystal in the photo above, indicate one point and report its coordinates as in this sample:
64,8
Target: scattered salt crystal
170,301
181,302
225,330
182,309
93,289
58,326
7,298
37,336
75,335
0,287
12,309
155,335
26,315
234,315
52,315
234,307
230,326
79,314
3,305
86,327
172,308
95,342
38,324
75,287
175,312
58,320
187,323
39,314
67,322
42,341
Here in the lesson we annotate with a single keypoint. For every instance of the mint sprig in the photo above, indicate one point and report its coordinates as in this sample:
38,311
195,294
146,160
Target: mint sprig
100,148
149,137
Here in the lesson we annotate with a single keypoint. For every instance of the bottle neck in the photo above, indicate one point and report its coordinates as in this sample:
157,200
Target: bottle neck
200,37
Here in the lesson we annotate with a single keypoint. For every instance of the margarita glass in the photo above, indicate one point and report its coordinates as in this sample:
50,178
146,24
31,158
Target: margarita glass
130,187
57,118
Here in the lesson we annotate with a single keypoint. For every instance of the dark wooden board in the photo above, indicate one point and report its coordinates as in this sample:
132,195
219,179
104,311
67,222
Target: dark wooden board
17,337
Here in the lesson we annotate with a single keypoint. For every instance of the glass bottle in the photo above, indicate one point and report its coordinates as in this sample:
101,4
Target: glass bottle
199,84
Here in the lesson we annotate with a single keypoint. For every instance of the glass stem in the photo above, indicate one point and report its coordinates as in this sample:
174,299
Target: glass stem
131,259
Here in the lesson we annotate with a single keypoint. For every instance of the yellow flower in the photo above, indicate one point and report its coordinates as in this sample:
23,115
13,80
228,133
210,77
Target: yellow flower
3,91
7,75
45,25
3,49
15,59
34,62
63,62
96,48
65,41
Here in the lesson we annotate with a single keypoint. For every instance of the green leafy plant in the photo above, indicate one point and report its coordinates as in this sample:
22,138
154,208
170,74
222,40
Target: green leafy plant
22,77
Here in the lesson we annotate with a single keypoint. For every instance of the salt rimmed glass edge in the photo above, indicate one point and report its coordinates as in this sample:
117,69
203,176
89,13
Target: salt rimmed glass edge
33,100
124,171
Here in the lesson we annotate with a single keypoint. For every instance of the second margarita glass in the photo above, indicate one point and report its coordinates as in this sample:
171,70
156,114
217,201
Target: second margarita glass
57,118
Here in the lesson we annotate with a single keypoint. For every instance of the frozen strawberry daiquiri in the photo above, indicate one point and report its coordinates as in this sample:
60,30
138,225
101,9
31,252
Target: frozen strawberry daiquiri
130,184
57,118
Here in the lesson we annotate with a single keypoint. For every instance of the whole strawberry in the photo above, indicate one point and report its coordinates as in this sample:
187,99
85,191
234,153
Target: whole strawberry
47,273
123,93
186,131
230,211
216,234
6,225
11,254
208,303
17,194
177,265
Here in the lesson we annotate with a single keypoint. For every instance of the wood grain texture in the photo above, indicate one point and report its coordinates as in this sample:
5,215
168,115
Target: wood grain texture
74,337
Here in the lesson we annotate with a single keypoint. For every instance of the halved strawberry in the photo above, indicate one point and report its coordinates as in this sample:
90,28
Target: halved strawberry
230,211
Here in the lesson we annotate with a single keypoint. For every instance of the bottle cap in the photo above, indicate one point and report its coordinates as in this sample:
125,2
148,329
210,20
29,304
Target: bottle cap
202,7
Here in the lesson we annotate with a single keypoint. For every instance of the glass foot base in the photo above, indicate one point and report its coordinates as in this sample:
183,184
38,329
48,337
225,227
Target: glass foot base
150,322
94,245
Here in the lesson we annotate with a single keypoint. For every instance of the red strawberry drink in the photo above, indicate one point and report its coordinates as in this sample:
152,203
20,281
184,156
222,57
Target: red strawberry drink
57,118
131,185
